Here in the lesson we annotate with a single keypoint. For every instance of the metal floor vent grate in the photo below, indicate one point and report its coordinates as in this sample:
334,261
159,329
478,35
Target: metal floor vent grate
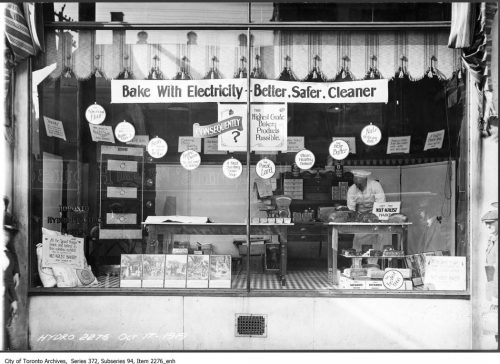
251,325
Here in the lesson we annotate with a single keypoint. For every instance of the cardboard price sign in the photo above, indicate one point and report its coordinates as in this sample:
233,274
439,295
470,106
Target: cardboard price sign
385,209
62,249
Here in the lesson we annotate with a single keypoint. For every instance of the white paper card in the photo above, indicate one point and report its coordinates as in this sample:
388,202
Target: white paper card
351,142
211,146
101,133
445,273
140,140
434,140
54,128
385,209
189,143
398,144
295,143
62,249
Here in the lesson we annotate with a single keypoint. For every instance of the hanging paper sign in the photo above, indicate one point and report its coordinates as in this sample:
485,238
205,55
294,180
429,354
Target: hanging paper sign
305,159
236,90
95,114
232,168
62,249
140,140
101,133
268,127
434,140
385,209
445,273
393,279
189,143
157,147
233,140
124,131
351,142
190,159
338,149
295,144
265,168
211,146
398,144
54,128
371,135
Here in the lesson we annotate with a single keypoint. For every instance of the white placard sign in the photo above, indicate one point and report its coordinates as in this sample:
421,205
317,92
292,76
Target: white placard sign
371,135
140,140
101,133
339,149
190,159
124,131
445,273
211,146
434,140
236,90
233,139
157,147
393,279
189,143
385,209
232,168
54,128
62,249
265,168
305,159
351,142
398,144
95,114
295,143
268,123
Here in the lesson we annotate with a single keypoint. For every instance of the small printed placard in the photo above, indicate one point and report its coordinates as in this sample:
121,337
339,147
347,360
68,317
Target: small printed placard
399,144
305,159
54,128
140,140
232,168
62,249
95,114
295,143
101,133
393,279
157,147
385,209
189,143
211,146
124,131
265,168
339,149
445,273
371,135
434,140
351,142
190,159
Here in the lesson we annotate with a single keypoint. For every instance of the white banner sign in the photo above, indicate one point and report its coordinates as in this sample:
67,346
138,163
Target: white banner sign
101,133
54,128
235,90
398,144
62,249
385,209
434,140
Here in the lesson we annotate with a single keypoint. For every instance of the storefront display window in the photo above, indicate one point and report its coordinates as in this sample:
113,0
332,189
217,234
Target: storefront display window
245,159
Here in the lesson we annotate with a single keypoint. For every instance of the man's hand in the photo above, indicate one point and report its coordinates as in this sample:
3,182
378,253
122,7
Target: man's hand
16,280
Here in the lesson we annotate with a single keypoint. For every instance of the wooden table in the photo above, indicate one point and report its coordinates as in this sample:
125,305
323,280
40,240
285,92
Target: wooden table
226,229
336,228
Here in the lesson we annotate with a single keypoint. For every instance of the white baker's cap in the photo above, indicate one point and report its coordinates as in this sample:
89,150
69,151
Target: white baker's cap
360,173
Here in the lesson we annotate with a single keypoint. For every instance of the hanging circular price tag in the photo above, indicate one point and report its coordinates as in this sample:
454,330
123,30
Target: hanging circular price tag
124,131
339,149
371,135
95,114
265,168
157,147
232,168
190,159
393,279
305,159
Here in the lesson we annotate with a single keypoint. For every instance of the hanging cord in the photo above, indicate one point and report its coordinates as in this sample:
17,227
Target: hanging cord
448,192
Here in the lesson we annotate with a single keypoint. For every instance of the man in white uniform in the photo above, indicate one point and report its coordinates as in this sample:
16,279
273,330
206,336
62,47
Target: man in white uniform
360,197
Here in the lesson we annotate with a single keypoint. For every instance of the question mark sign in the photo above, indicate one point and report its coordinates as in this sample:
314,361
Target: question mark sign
235,136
